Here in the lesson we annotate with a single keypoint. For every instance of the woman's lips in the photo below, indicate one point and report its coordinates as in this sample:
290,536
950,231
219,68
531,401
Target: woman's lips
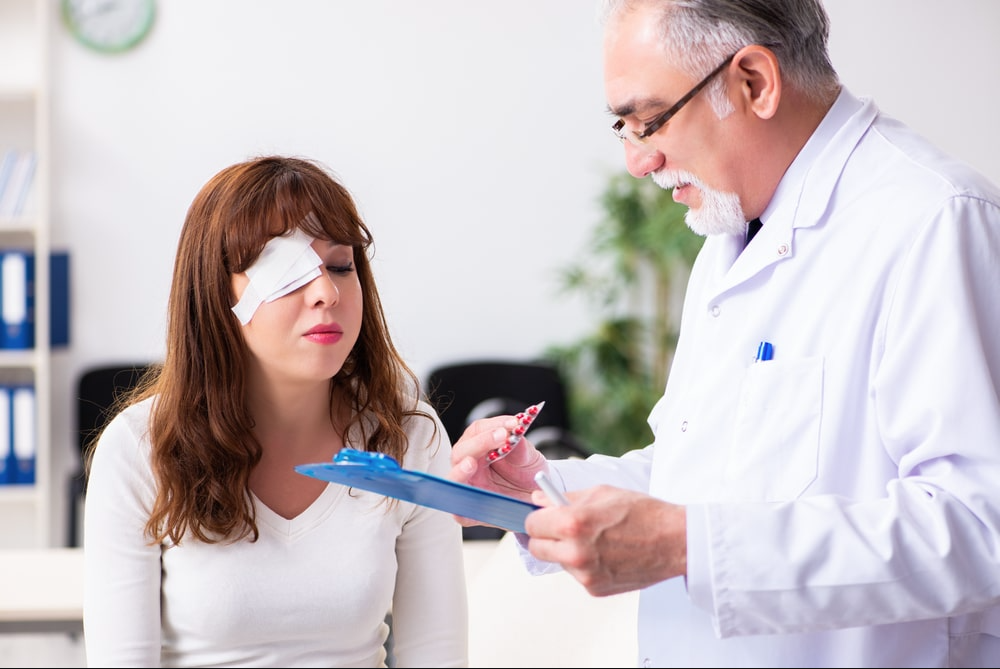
325,334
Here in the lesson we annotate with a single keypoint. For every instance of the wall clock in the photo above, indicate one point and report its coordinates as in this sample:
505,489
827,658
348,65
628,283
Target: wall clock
109,26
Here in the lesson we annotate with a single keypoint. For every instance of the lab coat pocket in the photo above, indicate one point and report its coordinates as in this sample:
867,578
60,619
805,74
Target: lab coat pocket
775,448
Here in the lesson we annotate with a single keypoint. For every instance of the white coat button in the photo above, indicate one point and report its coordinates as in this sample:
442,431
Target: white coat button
715,310
684,426
647,662
782,249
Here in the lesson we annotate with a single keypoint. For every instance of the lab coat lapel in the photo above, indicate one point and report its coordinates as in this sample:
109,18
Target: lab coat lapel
815,170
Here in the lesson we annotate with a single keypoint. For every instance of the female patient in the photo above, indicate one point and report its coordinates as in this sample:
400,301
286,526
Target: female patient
203,546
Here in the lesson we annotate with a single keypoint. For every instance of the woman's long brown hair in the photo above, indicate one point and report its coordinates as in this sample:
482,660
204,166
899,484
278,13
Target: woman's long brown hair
203,449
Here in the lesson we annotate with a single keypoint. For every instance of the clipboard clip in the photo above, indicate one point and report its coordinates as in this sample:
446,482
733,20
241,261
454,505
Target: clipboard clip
352,456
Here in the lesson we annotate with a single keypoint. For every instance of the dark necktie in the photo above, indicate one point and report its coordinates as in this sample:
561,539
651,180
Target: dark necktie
752,228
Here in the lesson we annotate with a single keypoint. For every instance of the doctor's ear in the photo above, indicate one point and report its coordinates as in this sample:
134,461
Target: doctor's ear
759,79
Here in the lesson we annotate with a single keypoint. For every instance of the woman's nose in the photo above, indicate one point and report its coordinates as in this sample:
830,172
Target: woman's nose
323,289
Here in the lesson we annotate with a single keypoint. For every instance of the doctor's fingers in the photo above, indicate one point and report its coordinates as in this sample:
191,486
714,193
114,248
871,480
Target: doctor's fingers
479,439
485,425
556,535
611,540
579,558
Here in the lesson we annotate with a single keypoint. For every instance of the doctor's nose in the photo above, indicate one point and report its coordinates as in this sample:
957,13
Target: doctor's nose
642,160
641,155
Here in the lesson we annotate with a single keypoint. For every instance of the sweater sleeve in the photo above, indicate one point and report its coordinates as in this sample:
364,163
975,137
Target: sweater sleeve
430,606
121,611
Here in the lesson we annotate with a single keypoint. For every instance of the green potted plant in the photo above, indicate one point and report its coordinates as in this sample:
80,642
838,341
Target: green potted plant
639,258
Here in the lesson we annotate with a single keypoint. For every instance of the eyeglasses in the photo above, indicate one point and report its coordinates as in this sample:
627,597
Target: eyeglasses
639,138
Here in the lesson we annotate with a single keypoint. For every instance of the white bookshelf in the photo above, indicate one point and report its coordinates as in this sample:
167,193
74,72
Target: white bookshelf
25,516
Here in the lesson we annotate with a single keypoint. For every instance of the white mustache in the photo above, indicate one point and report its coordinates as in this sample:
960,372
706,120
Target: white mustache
668,179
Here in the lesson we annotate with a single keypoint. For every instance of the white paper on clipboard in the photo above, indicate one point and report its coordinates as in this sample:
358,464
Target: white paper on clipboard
381,473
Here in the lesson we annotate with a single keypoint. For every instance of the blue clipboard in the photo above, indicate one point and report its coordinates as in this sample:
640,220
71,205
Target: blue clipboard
381,473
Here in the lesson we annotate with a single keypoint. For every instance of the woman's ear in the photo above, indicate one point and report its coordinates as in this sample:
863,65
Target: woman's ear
760,80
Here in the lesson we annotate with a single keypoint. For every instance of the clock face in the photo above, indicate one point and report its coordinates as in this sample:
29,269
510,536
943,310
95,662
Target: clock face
109,26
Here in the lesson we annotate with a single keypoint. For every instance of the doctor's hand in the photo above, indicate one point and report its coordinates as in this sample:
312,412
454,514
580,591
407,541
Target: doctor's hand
609,539
512,475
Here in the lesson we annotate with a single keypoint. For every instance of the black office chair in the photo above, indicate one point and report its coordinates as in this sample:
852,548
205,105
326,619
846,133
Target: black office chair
461,392
97,389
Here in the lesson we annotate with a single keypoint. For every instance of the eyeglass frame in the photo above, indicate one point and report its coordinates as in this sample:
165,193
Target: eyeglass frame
638,138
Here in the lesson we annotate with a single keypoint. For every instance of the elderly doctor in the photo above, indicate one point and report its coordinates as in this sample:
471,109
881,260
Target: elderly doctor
835,502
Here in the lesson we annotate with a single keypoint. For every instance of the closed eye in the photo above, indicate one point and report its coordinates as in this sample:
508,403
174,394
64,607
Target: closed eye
340,269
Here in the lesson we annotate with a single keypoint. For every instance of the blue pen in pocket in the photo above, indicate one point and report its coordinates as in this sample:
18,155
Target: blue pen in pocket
765,351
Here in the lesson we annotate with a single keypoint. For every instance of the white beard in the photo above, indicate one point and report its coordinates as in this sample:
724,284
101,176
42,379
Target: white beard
719,214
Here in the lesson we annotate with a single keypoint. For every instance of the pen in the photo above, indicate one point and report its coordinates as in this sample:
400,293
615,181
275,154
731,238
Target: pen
765,351
524,420
545,483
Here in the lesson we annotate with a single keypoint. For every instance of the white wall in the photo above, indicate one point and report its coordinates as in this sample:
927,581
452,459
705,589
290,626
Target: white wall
473,135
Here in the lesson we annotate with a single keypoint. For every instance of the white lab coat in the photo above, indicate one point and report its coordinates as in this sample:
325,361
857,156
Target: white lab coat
844,497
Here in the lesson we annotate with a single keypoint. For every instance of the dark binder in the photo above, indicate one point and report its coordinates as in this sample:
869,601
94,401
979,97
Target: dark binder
381,473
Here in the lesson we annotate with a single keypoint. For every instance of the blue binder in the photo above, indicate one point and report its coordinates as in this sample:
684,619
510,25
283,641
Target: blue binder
22,433
17,299
381,473
8,462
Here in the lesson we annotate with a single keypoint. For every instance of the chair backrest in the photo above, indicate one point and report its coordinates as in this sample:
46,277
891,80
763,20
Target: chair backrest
464,391
97,391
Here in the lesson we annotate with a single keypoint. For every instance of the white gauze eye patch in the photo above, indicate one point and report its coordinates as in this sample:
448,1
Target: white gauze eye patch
286,263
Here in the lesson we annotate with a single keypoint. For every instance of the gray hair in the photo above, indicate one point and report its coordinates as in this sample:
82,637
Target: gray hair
700,34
